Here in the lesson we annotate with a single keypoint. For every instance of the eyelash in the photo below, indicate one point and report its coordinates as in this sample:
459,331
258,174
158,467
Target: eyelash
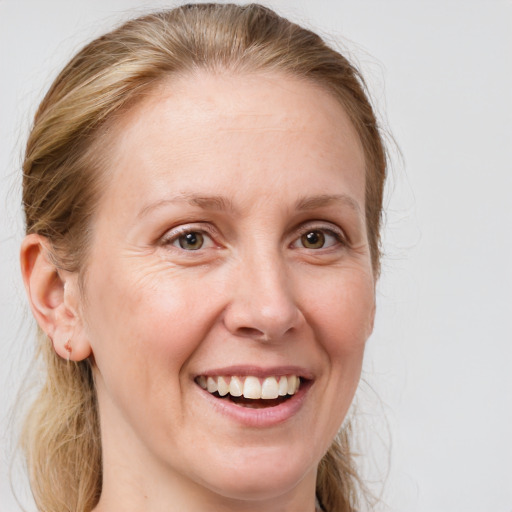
172,238
338,236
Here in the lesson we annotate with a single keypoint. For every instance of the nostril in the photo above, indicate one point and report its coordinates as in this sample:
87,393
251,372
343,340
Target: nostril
253,319
250,332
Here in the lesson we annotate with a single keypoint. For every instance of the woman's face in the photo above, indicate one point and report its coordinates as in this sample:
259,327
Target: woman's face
229,250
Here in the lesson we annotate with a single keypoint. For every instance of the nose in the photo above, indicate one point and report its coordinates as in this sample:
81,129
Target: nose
262,306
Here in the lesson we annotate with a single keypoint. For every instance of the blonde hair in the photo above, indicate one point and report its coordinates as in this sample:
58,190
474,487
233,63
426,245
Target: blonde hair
61,187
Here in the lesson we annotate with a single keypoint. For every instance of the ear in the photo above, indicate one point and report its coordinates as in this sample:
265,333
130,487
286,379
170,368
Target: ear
54,298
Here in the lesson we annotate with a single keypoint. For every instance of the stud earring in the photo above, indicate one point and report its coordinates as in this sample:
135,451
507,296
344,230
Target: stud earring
68,348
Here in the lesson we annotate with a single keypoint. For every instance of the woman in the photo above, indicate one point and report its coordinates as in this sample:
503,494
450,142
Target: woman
203,191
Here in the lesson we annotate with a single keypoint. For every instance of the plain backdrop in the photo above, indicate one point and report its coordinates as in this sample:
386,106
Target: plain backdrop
436,405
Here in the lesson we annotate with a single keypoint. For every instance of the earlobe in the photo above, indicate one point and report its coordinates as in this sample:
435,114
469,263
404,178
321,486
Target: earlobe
53,299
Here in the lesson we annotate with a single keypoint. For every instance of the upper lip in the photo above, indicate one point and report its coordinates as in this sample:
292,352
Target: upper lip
258,371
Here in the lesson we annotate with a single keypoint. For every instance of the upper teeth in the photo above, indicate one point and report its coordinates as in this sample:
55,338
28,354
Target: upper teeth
251,387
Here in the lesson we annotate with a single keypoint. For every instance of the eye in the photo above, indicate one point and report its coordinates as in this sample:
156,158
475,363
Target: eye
191,241
313,240
188,239
318,239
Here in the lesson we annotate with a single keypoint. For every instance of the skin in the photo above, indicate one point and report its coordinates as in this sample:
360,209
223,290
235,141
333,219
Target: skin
154,315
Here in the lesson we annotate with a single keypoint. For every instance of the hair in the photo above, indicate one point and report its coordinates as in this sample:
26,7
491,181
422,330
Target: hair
62,172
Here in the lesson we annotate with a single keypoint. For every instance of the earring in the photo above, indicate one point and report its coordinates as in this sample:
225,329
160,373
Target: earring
68,348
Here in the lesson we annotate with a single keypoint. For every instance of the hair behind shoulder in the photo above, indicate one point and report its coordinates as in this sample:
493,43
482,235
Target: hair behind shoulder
62,174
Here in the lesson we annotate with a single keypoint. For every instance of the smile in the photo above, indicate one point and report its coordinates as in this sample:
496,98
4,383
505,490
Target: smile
268,391
256,397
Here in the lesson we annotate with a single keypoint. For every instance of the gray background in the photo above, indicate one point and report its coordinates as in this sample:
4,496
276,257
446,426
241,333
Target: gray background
437,426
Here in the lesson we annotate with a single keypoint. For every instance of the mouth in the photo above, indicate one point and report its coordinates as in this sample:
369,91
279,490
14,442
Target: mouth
251,391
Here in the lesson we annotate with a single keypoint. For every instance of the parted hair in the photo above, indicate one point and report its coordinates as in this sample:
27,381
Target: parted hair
62,173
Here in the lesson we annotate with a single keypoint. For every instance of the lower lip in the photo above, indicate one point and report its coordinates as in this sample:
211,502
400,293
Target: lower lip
262,417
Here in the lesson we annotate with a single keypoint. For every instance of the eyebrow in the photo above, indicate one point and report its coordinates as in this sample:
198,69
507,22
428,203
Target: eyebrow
216,203
314,202
221,203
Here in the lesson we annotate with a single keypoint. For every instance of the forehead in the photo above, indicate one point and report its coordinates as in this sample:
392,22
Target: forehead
229,95
209,128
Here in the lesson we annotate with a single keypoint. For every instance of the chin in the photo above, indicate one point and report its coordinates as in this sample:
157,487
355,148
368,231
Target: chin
260,476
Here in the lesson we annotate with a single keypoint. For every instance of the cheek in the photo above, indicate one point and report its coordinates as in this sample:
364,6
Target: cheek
145,327
145,323
343,313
